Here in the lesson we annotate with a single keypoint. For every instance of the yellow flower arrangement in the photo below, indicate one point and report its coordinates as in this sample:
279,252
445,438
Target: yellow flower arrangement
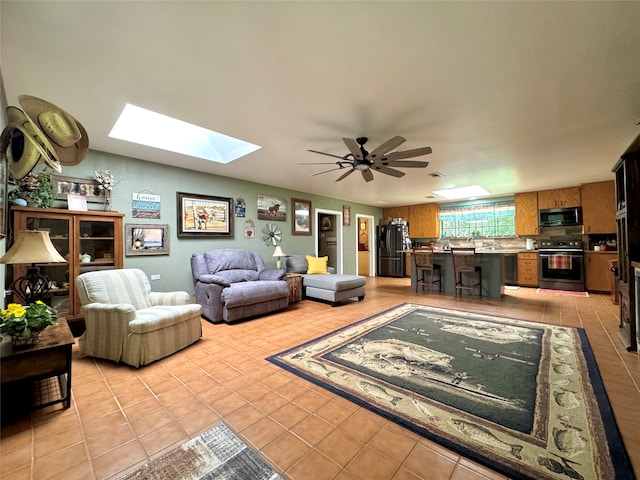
20,321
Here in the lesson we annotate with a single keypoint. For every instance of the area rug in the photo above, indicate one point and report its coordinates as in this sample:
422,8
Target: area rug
215,454
562,292
523,398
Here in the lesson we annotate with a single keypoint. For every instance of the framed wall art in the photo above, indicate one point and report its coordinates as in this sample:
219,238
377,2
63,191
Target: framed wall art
301,218
204,215
78,186
272,208
346,216
146,239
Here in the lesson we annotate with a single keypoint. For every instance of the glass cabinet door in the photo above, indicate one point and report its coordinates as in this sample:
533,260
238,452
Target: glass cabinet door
57,273
96,245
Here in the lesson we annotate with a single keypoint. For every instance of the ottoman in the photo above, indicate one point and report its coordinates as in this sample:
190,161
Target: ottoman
332,287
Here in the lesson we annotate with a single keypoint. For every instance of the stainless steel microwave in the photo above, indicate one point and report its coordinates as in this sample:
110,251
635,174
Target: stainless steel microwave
560,217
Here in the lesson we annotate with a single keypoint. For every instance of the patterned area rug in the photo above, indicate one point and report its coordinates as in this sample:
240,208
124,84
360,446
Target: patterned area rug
523,398
562,292
215,454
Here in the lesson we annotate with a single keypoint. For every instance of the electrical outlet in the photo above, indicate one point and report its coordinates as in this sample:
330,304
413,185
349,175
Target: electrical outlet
155,277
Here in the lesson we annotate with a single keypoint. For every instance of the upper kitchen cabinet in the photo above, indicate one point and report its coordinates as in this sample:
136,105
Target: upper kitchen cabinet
424,221
526,213
599,207
396,212
559,198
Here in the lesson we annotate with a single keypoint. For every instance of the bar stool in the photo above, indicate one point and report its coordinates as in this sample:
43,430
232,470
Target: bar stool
423,262
464,263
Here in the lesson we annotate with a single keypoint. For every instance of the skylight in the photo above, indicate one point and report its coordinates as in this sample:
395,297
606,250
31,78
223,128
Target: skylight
145,127
462,192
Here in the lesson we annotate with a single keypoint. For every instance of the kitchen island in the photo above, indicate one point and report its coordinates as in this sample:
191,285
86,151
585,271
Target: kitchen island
493,271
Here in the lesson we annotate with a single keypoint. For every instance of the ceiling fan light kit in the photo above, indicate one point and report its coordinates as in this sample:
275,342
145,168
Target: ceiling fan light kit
379,159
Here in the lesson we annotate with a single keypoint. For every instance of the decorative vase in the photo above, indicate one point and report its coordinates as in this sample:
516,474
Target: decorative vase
20,341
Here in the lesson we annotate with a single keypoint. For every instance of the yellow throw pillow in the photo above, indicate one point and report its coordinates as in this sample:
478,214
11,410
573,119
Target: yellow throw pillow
317,265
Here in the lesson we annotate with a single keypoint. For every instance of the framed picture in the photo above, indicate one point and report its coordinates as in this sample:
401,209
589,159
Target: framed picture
78,186
346,216
77,202
146,239
301,221
204,215
272,208
326,223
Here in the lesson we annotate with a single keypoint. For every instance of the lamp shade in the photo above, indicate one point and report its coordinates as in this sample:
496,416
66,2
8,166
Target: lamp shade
278,252
32,246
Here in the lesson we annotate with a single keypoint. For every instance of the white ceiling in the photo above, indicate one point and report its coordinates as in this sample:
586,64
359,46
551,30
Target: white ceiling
515,96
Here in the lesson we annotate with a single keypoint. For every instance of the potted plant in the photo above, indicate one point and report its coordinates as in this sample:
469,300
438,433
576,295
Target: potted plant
24,324
35,189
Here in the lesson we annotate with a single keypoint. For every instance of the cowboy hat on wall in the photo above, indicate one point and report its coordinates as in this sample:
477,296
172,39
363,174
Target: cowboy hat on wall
43,132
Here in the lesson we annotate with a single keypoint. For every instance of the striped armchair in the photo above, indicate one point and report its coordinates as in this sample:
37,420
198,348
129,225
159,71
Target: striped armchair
126,321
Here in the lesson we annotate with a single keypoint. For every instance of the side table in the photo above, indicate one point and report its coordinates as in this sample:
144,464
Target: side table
294,280
50,357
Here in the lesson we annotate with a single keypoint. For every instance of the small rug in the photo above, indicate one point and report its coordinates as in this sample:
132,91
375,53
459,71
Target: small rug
562,292
215,454
525,399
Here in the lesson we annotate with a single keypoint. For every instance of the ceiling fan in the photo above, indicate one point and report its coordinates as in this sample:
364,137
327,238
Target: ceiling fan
379,159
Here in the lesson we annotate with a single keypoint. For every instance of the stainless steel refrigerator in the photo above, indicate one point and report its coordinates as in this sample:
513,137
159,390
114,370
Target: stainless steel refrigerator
391,240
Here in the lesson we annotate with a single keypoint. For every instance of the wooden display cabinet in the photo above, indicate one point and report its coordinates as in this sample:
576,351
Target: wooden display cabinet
73,233
627,178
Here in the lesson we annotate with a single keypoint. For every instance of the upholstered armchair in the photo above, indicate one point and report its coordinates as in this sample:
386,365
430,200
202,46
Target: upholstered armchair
127,322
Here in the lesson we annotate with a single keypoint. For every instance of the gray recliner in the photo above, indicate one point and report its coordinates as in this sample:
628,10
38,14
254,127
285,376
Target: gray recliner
233,284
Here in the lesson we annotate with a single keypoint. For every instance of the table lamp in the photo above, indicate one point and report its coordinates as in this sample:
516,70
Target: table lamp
278,253
31,247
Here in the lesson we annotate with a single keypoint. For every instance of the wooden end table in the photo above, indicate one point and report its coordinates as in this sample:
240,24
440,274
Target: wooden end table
50,357
294,280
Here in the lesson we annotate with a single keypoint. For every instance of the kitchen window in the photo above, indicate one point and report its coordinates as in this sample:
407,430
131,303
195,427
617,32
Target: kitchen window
482,219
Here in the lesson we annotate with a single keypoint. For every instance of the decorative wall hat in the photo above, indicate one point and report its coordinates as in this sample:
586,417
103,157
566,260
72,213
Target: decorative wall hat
63,134
22,145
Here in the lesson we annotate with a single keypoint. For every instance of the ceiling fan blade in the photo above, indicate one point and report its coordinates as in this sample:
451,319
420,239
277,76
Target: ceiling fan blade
353,147
388,171
416,152
345,175
326,171
403,164
327,154
318,163
367,175
386,147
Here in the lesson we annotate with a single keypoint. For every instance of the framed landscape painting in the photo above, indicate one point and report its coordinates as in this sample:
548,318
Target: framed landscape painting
204,215
301,217
146,239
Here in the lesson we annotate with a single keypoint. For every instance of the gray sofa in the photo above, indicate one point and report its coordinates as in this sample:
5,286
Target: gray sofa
333,288
233,284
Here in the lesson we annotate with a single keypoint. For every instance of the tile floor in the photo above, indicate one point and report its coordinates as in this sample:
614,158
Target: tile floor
122,416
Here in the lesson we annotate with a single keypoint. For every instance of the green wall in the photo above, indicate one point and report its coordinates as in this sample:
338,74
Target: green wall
133,175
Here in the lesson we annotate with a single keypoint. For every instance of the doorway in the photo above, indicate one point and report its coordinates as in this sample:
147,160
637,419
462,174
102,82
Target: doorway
329,237
365,246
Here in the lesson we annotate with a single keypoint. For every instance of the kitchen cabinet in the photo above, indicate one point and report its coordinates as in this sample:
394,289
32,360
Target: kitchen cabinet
424,221
528,269
559,198
599,207
98,234
598,276
526,213
395,212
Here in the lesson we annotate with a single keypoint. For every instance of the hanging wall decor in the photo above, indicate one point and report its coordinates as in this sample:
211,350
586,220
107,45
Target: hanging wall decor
272,234
249,229
272,208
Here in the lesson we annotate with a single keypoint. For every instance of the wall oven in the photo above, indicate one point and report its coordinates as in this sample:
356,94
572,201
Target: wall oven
561,265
